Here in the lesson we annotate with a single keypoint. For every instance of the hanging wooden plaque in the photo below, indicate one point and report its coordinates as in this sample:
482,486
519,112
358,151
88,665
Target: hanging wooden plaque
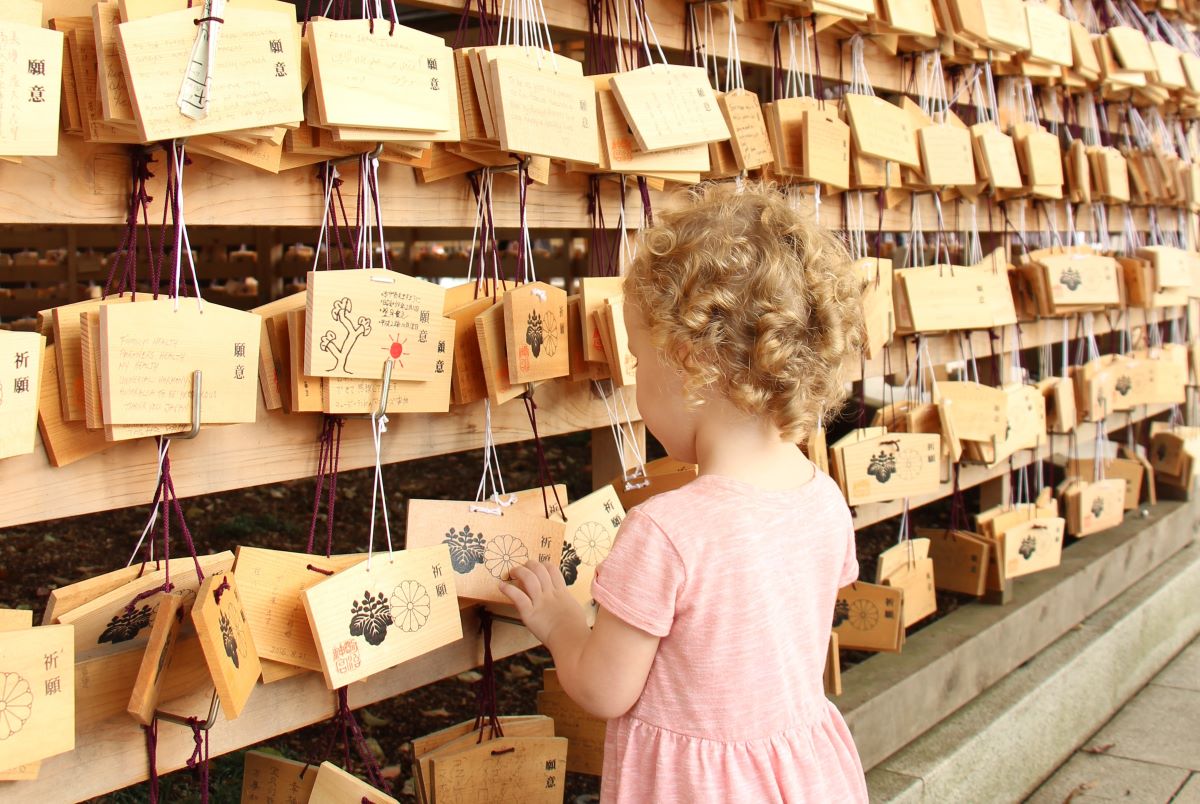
825,148
1049,35
333,785
467,383
996,157
946,155
915,579
270,583
272,779
383,611
21,356
505,769
484,545
747,129
165,627
592,525
1081,279
1168,66
116,620
149,351
358,319
867,616
945,297
584,733
662,475
535,331
595,291
620,152
882,130
1097,506
544,112
225,640
622,364
16,620
960,560
373,74
37,687
67,334
669,106
493,355
30,89
878,313
1033,545
890,467
255,80
1005,25
341,395
1131,49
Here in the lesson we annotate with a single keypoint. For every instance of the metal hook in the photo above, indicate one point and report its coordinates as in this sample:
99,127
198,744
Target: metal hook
197,387
380,411
204,725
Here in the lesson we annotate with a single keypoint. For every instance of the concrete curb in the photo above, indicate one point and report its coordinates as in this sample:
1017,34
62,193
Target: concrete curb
891,699
1004,743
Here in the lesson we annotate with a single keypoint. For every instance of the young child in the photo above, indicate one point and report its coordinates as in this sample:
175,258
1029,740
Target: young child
716,602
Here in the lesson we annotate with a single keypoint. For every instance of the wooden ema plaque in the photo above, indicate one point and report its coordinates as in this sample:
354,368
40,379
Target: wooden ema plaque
960,559
384,611
669,106
72,596
1094,507
882,130
357,319
594,292
1049,36
592,526
373,74
543,111
485,541
272,779
908,567
255,80
622,365
941,298
150,350
269,584
493,356
165,628
67,348
344,395
37,688
333,785
16,620
1032,545
946,155
106,623
663,474
995,157
747,129
31,80
825,148
584,733
464,736
867,616
225,641
619,152
535,331
879,317
890,466
502,770
467,383
21,356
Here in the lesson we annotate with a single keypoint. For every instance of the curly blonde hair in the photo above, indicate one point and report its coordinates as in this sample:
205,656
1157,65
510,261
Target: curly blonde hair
749,299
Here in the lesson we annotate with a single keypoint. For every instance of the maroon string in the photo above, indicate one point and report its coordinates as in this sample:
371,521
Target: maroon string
523,182
345,723
208,19
220,590
139,201
198,761
151,733
486,701
601,254
318,569
647,211
327,472
543,468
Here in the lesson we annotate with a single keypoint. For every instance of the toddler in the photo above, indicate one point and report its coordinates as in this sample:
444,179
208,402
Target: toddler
716,602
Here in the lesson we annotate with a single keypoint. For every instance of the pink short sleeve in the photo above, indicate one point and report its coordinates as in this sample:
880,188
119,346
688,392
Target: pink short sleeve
641,578
850,565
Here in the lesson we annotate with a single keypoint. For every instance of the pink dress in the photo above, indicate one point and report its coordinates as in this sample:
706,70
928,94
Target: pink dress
739,583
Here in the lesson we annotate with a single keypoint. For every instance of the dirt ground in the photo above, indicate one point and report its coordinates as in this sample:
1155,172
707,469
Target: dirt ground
36,558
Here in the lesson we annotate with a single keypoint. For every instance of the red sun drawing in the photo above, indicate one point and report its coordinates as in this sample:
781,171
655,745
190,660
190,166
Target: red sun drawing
395,350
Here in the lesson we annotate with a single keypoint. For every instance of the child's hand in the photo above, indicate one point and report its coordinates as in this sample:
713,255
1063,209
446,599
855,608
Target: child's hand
540,594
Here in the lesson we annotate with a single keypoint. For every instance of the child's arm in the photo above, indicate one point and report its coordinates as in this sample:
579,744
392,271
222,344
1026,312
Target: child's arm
604,668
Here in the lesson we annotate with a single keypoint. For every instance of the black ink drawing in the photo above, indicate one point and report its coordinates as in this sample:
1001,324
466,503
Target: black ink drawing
16,704
569,564
841,612
370,618
550,333
1124,386
466,549
354,330
863,615
502,554
126,625
1098,507
534,334
410,606
229,640
882,466
591,542
1028,547
1070,279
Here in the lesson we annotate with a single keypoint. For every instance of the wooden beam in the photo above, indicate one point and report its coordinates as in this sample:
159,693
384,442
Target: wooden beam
277,447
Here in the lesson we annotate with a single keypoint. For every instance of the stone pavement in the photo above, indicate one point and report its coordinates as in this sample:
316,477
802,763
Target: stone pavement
1148,752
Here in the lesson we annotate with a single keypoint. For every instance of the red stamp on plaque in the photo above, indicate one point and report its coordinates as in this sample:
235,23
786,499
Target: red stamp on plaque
345,656
523,358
